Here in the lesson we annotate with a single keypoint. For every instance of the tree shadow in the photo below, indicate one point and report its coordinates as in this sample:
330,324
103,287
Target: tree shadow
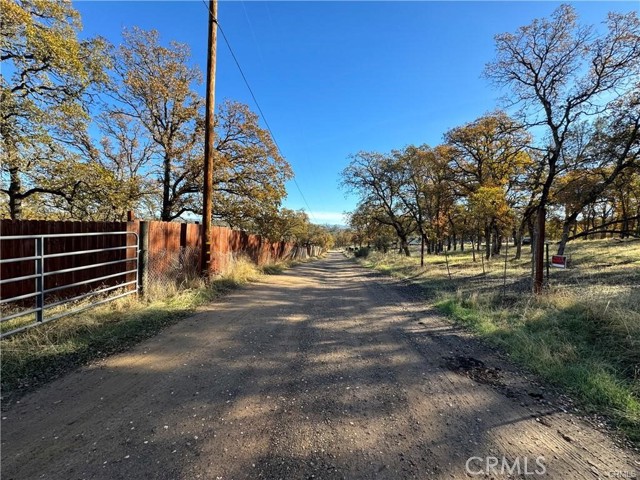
330,378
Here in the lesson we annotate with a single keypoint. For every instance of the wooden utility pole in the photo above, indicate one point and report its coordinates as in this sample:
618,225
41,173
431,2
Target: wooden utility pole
207,192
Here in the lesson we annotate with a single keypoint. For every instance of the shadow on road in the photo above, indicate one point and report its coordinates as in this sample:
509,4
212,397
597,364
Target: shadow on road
321,372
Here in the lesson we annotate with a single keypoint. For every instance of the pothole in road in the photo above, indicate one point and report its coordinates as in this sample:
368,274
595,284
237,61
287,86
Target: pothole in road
474,369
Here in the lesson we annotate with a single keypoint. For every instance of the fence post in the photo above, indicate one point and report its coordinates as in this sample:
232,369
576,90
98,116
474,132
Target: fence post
143,260
40,278
504,278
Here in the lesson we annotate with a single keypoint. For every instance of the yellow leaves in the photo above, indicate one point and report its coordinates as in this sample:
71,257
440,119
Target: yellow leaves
55,10
45,32
14,17
491,149
490,203
49,70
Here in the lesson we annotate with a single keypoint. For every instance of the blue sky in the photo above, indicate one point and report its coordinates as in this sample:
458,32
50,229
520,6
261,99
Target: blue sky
334,78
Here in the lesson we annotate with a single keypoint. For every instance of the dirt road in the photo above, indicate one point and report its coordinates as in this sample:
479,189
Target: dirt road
326,371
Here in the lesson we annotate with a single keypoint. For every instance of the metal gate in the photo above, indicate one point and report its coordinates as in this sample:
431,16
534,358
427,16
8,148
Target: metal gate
124,269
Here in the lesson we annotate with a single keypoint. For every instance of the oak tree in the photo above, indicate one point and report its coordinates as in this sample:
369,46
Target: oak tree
559,72
377,179
43,95
489,154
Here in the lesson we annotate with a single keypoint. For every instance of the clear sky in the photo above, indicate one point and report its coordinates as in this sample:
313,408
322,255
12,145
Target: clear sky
334,78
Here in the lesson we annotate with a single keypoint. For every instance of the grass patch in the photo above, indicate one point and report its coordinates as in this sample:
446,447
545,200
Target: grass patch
582,335
31,358
273,269
276,268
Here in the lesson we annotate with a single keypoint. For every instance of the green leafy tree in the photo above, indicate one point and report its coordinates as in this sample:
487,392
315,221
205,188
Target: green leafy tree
284,225
154,127
320,237
342,236
367,231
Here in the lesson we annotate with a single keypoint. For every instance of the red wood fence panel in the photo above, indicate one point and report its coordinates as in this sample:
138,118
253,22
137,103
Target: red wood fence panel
174,250
62,248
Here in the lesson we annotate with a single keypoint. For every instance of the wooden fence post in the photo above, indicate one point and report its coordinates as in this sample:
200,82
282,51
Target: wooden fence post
143,260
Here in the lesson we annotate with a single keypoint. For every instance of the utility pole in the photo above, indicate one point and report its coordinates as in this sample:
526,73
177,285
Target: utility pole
207,192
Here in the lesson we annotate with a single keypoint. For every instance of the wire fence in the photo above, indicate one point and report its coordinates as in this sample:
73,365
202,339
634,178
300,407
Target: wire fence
168,269
594,268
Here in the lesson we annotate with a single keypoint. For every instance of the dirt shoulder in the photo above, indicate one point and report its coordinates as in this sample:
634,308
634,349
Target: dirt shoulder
326,371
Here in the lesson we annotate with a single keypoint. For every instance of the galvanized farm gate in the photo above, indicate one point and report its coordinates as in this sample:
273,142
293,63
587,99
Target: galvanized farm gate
55,269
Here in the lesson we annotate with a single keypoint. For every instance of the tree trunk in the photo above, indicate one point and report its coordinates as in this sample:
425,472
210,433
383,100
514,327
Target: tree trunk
473,249
487,242
625,220
15,199
165,214
593,224
518,241
566,230
404,246
497,239
531,229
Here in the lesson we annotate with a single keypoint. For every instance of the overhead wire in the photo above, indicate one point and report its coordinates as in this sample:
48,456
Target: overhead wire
255,100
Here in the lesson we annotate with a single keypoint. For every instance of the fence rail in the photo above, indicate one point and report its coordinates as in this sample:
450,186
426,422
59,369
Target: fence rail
92,268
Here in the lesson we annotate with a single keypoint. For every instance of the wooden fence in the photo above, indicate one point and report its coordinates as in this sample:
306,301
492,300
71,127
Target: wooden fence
168,249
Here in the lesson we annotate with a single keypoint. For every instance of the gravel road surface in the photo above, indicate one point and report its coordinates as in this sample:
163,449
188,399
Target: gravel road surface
327,371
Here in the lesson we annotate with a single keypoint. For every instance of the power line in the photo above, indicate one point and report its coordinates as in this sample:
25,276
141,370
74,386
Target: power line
255,100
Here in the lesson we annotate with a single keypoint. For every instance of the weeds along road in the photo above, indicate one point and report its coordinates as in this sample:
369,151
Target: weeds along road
325,371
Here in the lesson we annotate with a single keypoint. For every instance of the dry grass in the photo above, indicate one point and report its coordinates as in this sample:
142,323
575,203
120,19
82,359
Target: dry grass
583,334
242,270
276,268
